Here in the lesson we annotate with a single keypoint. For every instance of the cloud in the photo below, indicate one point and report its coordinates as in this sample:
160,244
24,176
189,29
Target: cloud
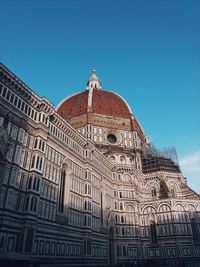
191,163
190,166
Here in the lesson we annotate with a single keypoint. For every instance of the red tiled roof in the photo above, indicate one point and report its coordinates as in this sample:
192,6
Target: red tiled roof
103,103
108,103
74,106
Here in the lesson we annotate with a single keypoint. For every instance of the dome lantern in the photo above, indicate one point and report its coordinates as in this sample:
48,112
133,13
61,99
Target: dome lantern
94,82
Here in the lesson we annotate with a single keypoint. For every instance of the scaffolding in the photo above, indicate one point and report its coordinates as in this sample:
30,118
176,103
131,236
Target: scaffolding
164,159
165,152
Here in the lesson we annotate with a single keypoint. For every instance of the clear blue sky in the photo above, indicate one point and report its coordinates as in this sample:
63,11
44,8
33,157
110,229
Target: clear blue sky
147,51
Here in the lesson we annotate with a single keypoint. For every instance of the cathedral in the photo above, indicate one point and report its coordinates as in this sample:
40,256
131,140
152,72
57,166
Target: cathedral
80,184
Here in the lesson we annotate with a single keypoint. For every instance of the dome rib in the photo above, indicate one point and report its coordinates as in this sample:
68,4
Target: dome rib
108,103
103,103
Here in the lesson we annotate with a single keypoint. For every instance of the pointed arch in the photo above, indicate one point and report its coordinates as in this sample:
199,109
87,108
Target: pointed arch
179,206
149,209
174,188
129,208
163,207
151,184
191,207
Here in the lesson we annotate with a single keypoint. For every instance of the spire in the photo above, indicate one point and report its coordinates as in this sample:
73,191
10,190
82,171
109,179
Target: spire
93,81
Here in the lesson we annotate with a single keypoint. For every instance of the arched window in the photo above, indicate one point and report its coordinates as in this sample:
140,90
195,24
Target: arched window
126,178
40,144
62,191
89,189
153,233
85,205
153,193
38,184
129,208
37,162
34,184
35,205
85,220
33,162
123,160
30,182
40,168
112,158
122,219
123,232
36,143
173,193
43,146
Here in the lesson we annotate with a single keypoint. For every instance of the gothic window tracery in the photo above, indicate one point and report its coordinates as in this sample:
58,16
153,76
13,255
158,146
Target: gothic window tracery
126,178
173,193
153,193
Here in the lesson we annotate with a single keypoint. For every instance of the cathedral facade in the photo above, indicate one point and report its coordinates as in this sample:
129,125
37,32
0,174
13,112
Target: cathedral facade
81,185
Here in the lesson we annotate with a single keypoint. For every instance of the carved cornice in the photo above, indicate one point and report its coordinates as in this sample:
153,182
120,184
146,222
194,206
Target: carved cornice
22,90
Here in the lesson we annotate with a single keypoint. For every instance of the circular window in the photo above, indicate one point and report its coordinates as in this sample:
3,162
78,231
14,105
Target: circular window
112,158
112,138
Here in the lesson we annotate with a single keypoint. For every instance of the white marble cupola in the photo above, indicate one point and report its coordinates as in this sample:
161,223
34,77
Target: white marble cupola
94,82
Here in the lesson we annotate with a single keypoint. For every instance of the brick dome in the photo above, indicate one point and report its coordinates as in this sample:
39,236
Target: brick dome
96,101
